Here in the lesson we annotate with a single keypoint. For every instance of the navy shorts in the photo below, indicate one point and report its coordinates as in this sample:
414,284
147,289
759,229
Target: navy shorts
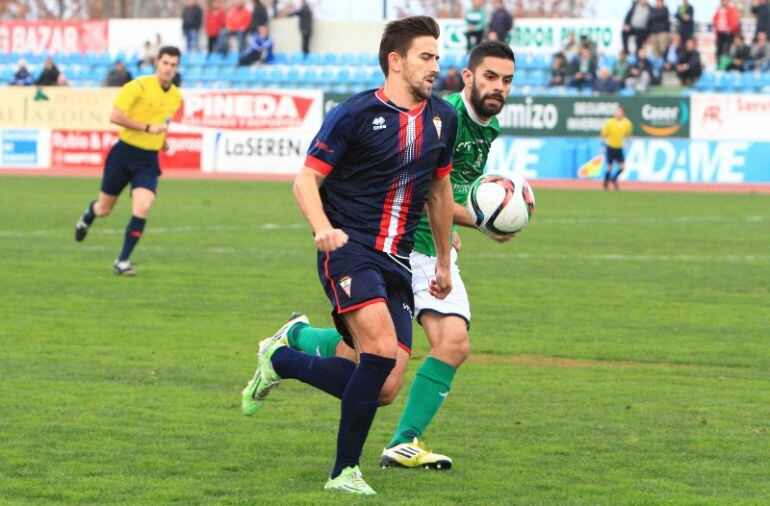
128,164
615,155
355,276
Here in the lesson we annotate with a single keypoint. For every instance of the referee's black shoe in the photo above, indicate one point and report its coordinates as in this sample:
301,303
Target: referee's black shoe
81,229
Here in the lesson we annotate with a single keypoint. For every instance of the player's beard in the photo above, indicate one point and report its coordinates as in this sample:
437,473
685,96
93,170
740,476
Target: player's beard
420,89
480,104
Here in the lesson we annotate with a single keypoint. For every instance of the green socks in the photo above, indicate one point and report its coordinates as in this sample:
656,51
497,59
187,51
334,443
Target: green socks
430,387
321,342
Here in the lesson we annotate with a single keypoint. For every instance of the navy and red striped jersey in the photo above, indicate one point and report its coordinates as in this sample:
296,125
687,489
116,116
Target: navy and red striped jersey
379,161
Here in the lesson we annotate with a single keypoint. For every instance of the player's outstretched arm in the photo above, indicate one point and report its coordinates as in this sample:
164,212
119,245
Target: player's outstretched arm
327,238
440,208
120,118
463,218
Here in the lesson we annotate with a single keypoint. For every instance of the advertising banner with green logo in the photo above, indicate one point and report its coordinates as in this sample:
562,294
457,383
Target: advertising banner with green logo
652,116
541,116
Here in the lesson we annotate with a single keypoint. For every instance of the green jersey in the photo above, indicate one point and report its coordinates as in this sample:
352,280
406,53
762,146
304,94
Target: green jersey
474,138
475,19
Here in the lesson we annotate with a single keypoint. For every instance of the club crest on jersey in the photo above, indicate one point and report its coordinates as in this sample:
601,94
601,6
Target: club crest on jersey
437,123
378,123
345,285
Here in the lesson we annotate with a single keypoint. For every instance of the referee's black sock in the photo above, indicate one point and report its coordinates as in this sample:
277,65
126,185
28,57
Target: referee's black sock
615,177
607,177
89,215
133,234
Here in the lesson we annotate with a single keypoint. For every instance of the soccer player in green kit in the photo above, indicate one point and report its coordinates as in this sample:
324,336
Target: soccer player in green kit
488,81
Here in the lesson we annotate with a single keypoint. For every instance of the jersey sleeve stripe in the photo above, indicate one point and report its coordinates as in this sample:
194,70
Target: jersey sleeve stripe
442,171
318,165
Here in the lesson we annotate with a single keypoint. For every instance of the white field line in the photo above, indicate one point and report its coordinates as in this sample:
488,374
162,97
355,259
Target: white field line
155,230
626,258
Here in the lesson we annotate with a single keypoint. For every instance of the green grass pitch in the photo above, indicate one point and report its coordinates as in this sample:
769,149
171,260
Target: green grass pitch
620,355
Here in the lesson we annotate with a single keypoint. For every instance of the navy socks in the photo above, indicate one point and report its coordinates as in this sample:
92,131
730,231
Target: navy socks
133,234
328,374
89,215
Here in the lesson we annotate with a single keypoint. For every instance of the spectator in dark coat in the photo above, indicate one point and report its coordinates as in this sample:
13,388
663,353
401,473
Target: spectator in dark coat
761,9
22,77
259,16
501,23
740,53
636,24
604,84
215,23
620,69
671,55
587,43
685,20
118,75
192,20
305,25
660,27
560,71
689,68
583,70
50,74
642,74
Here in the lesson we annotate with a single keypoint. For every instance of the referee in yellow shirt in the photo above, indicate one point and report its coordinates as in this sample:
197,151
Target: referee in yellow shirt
143,109
614,133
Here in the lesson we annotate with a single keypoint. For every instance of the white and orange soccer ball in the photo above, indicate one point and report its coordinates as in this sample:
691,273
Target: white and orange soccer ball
501,202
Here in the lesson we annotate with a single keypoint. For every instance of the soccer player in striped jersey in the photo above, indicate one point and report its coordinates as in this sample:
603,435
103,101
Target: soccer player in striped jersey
143,109
488,81
379,158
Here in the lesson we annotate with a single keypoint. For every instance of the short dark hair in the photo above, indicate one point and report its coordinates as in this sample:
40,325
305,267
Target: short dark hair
399,34
169,50
490,48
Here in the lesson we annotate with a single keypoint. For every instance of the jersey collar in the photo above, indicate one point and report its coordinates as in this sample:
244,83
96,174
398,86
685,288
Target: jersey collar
472,112
380,94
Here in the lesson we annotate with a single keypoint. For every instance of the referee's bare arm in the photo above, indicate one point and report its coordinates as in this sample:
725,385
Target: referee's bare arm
118,117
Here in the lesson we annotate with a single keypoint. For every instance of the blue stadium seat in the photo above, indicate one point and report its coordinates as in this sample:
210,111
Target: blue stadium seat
347,59
329,59
342,76
280,59
295,58
310,76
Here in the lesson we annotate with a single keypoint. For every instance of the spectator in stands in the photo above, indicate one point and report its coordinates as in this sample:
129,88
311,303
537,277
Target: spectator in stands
583,70
671,55
501,23
604,84
739,54
148,57
621,69
305,16
259,17
636,24
560,71
587,43
118,75
192,19
759,57
49,76
726,25
689,68
215,23
570,48
22,77
475,19
660,27
451,82
761,9
685,20
641,75
260,48
236,23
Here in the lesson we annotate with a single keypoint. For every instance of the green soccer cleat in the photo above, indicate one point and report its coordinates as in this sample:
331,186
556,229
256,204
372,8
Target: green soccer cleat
264,380
282,334
350,481
414,454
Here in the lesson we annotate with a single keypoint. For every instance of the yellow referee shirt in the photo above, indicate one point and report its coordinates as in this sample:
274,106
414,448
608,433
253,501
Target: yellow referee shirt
144,100
615,131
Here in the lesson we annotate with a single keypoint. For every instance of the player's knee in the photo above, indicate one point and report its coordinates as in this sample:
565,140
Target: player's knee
454,351
102,210
142,209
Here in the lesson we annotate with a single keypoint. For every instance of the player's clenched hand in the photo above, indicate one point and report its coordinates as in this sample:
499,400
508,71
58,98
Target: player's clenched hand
330,239
158,129
456,242
442,284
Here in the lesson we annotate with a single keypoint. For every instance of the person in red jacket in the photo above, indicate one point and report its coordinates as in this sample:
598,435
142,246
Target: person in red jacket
727,24
236,23
215,22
